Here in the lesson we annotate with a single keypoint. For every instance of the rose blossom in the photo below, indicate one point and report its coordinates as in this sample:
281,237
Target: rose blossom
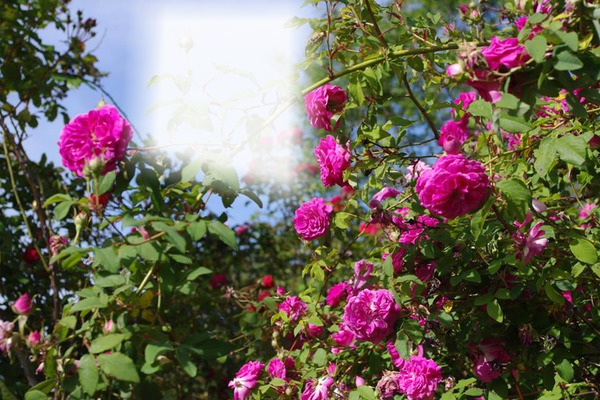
101,135
312,219
464,100
452,136
6,335
419,378
23,305
415,170
281,369
371,314
379,197
293,307
333,160
337,293
245,379
454,186
318,391
530,245
323,103
506,54
486,356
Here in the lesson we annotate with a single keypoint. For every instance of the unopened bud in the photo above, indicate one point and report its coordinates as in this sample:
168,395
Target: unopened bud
93,168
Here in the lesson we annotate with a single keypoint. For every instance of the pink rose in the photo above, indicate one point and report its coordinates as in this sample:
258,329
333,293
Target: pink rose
312,219
337,293
532,244
454,186
293,307
414,170
454,70
419,378
34,338
323,103
343,337
23,305
464,100
487,357
246,379
371,314
318,390
379,197
487,86
503,55
333,160
452,136
101,136
280,369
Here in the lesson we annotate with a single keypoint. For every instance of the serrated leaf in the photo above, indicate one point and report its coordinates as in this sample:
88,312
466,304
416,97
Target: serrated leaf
571,149
62,210
480,108
197,230
119,366
514,124
536,47
584,251
183,356
545,156
190,171
109,281
225,234
567,61
106,182
88,374
565,370
104,343
341,220
107,259
198,272
58,197
88,304
517,196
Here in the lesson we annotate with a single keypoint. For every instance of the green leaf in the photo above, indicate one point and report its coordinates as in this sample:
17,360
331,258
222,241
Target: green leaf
355,90
514,124
183,356
119,366
480,108
89,304
320,357
584,251
565,370
571,149
224,233
88,374
103,343
106,182
35,395
45,386
106,258
173,235
553,294
567,61
495,311
190,171
56,198
545,156
483,299
366,392
198,272
252,196
152,351
62,210
536,47
341,220
148,252
517,196
109,281
197,230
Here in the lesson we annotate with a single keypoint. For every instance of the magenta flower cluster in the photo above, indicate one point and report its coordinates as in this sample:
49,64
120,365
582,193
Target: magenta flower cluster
454,186
371,314
323,103
333,160
101,135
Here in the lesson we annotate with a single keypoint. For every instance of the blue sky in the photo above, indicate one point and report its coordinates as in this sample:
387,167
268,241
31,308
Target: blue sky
138,39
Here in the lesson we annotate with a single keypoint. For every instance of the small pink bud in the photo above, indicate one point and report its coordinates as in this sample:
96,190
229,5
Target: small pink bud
538,206
110,326
34,338
23,305
453,70
280,291
359,381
